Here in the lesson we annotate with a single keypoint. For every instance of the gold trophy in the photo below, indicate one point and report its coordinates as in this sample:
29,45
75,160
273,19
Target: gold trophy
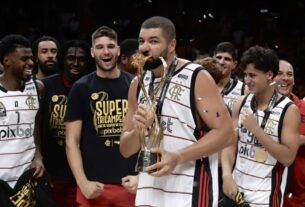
152,136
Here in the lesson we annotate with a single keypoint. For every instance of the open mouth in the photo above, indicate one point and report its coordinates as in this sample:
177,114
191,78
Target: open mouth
106,60
50,63
74,71
283,85
28,71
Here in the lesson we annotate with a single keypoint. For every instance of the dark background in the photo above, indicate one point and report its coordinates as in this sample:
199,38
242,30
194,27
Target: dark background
200,24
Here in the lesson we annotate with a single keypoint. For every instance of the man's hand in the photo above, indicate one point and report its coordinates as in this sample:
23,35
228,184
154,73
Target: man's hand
130,183
37,163
248,120
91,189
168,162
229,186
143,118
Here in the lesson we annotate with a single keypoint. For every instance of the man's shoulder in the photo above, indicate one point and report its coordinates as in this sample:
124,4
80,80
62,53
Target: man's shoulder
192,66
51,79
127,75
299,102
85,79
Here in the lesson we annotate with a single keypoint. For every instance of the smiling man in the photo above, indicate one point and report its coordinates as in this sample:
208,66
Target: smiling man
19,105
96,107
266,126
45,50
186,175
73,61
295,195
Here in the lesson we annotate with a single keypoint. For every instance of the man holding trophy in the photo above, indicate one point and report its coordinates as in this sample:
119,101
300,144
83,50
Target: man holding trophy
177,121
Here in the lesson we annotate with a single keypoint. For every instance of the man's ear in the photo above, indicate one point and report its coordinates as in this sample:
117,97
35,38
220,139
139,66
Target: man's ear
270,75
6,60
124,59
235,64
92,53
172,45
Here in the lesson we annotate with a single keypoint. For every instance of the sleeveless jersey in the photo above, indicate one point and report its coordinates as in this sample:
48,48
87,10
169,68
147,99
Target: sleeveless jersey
257,173
235,91
190,184
18,110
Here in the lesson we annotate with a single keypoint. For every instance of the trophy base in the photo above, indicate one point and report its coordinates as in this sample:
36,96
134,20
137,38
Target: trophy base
145,159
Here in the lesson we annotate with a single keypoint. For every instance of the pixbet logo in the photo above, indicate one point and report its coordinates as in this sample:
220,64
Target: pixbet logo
16,132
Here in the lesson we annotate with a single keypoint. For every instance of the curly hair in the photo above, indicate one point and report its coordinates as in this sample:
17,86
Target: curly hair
212,66
263,59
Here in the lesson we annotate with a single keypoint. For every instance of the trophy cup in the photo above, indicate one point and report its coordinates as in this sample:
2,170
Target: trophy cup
152,136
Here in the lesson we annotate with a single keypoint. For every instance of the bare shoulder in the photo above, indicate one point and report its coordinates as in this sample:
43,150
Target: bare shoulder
292,118
204,78
293,111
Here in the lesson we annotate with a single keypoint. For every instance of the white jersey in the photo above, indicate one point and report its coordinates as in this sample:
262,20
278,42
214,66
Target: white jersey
257,173
235,91
184,187
17,122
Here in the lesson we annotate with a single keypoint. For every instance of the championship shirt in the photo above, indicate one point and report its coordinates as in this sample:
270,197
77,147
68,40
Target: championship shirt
53,130
101,104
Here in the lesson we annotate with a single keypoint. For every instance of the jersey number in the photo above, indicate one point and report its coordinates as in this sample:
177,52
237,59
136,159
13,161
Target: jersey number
18,116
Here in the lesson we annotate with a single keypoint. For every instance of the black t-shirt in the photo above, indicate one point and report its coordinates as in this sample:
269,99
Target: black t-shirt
101,104
53,128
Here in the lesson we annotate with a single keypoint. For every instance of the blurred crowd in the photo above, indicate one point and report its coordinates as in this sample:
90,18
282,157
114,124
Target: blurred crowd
200,25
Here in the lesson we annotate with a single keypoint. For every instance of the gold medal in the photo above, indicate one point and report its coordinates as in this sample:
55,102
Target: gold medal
261,155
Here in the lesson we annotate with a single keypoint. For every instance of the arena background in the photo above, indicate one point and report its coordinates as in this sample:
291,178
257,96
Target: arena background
201,24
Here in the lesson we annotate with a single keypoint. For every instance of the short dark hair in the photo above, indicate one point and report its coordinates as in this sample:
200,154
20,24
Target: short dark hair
165,24
263,59
42,39
74,43
128,47
104,31
10,42
226,47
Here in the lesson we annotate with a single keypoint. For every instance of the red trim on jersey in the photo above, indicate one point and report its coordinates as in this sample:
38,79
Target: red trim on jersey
204,182
279,169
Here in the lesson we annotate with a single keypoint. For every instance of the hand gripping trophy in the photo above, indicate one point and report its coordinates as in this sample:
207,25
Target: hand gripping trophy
152,136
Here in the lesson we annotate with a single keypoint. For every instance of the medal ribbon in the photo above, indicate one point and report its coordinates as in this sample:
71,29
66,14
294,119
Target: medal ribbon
169,76
267,111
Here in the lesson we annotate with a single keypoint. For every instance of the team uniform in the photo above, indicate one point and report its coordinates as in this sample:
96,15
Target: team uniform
53,140
18,110
190,184
102,104
295,195
233,92
230,94
257,173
